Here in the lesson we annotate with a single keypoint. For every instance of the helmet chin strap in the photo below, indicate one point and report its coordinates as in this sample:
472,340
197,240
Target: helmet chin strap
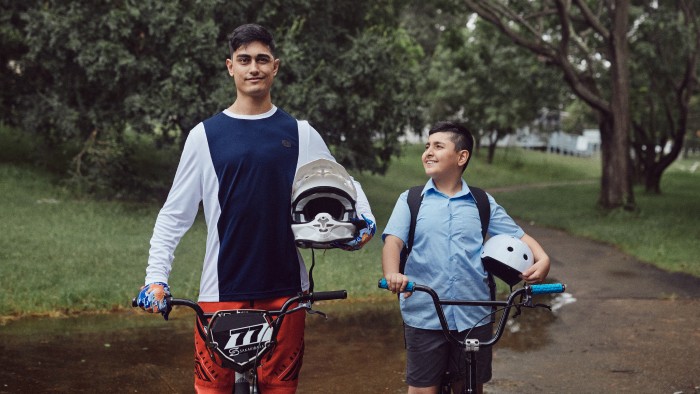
311,271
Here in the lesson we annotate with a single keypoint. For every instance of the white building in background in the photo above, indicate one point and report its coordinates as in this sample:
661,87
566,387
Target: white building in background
586,144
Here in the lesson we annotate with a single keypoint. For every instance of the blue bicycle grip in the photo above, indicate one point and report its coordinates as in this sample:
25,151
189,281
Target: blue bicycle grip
548,288
384,285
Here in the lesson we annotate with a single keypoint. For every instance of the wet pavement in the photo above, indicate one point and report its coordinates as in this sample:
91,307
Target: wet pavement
623,327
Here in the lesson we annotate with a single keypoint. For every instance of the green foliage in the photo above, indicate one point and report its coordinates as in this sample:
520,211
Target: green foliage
480,78
85,74
663,79
379,99
350,70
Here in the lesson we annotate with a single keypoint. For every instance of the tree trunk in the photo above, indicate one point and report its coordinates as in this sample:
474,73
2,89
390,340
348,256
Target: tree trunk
652,181
491,152
616,183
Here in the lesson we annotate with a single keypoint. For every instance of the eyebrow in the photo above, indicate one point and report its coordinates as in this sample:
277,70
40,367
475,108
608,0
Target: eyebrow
258,56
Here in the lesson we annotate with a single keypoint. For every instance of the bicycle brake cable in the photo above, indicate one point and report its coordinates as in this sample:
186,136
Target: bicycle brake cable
542,306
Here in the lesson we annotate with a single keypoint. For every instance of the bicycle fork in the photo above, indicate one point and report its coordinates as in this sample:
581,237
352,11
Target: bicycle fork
245,384
471,347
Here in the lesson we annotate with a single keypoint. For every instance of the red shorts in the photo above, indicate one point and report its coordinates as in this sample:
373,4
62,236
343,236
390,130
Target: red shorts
278,372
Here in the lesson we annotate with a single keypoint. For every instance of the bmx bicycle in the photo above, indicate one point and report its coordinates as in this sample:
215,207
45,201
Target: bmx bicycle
519,298
239,338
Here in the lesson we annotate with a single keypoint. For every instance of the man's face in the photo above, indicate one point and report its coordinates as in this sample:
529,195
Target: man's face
440,158
253,69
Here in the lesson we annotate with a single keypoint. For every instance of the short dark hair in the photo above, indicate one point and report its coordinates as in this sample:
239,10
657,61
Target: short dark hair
461,137
251,32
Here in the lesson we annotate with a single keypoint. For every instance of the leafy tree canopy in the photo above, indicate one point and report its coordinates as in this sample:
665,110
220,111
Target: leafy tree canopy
89,74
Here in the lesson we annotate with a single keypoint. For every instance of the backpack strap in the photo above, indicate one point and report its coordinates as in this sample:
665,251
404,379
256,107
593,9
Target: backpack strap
484,207
414,200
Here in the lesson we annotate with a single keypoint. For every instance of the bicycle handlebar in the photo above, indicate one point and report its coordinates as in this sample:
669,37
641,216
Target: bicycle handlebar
329,295
545,288
203,317
526,292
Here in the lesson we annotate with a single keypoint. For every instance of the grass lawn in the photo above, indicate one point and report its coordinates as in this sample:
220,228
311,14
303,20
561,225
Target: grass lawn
59,254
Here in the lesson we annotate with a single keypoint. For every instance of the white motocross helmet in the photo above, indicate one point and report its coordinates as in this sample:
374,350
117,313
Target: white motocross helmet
506,257
323,205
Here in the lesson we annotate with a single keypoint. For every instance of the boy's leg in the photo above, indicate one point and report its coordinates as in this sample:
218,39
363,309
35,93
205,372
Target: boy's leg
427,354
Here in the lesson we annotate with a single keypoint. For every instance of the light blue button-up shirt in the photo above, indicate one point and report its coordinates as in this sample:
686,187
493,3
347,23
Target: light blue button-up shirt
446,255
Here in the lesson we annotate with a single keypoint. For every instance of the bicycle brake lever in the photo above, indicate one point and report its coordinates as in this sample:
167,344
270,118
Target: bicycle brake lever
518,311
167,310
315,312
543,306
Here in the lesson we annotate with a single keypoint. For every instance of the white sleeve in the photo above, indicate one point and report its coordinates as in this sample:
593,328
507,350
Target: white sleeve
180,209
316,148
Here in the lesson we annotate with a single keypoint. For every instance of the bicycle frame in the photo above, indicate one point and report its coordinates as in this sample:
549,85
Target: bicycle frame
472,346
238,338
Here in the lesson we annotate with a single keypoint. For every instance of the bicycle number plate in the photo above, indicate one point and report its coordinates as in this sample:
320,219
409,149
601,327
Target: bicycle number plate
240,337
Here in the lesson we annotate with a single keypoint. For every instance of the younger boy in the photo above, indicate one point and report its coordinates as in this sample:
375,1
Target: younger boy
446,257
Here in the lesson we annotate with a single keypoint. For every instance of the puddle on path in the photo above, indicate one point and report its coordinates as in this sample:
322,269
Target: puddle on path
359,349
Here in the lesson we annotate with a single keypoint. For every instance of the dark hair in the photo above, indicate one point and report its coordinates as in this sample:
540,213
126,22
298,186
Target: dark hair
245,34
461,137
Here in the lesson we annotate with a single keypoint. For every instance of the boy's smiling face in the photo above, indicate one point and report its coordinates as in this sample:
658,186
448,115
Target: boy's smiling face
441,160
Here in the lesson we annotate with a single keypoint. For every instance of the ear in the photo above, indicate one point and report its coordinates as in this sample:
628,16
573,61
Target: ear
229,66
276,65
463,157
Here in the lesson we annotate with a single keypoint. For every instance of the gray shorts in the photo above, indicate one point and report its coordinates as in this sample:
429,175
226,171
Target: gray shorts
429,355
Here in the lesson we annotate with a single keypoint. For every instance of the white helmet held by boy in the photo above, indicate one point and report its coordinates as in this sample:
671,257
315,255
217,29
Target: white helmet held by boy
506,257
323,205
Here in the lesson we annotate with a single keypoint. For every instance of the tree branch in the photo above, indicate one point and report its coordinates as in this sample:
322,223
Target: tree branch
592,19
493,12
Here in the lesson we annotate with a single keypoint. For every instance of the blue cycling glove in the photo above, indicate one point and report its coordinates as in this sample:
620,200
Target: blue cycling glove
153,298
366,231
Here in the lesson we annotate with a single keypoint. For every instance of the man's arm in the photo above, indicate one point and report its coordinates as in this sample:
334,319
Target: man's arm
180,209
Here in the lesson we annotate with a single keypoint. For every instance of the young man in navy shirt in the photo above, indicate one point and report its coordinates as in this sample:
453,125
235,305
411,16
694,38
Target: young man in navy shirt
240,164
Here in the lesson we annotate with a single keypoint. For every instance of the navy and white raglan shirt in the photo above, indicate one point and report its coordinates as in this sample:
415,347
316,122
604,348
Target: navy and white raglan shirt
241,168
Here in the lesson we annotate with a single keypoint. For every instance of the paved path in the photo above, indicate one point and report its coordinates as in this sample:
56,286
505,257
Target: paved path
632,328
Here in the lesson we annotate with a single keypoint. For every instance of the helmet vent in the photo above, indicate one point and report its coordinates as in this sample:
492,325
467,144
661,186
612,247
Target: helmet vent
525,256
510,248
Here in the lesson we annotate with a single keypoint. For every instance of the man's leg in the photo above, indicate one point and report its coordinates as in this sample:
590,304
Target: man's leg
279,369
210,377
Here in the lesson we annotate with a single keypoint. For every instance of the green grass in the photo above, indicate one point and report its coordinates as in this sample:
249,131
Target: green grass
62,254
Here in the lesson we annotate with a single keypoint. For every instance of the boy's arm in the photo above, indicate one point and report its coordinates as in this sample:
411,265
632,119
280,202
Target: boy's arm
539,270
391,257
